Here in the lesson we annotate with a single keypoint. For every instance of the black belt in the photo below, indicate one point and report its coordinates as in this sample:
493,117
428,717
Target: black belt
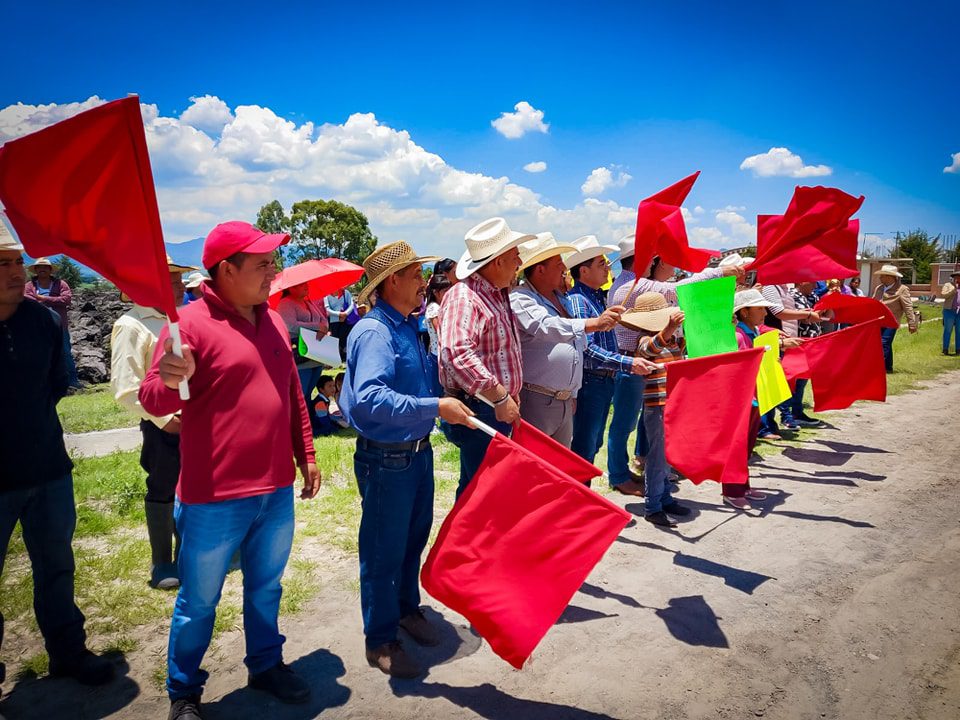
412,445
600,373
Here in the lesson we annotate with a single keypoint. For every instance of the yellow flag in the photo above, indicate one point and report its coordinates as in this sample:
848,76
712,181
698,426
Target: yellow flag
772,386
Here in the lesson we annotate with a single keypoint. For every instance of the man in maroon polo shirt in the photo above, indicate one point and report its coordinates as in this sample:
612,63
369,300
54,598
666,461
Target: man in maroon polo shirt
241,430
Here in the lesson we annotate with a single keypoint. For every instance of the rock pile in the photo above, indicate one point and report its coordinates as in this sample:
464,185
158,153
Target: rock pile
92,315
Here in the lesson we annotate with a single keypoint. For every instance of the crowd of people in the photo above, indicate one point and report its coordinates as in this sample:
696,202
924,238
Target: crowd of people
521,326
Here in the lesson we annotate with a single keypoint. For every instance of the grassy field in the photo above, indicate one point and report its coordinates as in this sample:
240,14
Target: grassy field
93,408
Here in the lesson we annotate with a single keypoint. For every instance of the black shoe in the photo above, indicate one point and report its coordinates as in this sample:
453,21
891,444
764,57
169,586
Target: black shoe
677,509
660,518
86,668
281,682
185,708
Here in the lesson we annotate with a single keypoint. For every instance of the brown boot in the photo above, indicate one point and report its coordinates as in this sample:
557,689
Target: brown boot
630,487
420,630
391,659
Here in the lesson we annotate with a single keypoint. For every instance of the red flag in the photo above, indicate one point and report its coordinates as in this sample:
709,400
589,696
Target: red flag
814,239
794,363
846,366
549,450
707,416
852,309
83,187
517,545
661,230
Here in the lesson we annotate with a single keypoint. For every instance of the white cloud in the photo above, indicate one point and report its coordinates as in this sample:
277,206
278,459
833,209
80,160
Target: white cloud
601,179
517,124
779,161
698,210
741,231
20,119
207,113
955,167
535,167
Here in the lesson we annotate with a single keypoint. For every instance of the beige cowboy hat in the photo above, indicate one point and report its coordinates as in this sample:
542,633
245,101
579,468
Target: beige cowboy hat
7,242
588,247
40,262
749,298
542,247
889,270
386,260
651,313
486,241
627,245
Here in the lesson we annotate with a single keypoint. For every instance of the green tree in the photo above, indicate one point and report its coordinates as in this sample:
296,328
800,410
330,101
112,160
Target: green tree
272,219
68,271
327,228
924,250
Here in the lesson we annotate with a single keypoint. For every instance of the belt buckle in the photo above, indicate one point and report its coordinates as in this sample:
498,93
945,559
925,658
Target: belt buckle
563,395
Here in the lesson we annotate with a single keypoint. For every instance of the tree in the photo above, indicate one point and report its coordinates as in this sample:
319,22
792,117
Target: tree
327,228
68,271
272,219
924,250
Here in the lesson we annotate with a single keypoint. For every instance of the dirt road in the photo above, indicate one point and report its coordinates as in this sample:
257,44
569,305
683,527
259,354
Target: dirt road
841,599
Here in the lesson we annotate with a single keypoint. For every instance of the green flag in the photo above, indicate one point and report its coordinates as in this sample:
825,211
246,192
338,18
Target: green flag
708,316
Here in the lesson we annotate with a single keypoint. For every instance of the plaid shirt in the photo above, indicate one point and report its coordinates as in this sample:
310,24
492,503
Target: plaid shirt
806,302
650,347
479,344
601,352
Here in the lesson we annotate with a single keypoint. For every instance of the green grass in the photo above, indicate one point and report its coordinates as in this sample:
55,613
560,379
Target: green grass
93,409
917,357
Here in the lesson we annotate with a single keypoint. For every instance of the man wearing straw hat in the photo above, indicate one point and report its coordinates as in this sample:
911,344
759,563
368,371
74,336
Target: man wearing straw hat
132,342
391,397
245,432
479,341
895,295
36,483
552,340
55,294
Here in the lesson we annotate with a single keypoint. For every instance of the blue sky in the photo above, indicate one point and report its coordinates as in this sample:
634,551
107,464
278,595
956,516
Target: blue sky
865,93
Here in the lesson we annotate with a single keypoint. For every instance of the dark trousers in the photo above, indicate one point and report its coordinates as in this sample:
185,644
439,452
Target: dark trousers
160,459
48,517
590,419
886,339
341,330
473,443
396,492
736,489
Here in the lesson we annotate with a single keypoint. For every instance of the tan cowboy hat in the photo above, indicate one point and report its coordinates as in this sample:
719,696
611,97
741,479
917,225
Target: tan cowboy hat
889,270
386,260
486,241
172,267
749,298
651,313
40,262
7,241
588,247
542,247
627,245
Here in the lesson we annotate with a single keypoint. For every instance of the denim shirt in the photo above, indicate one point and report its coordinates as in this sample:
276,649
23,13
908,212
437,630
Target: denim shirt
389,392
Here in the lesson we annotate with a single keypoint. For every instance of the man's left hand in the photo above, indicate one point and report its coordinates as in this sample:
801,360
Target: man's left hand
311,480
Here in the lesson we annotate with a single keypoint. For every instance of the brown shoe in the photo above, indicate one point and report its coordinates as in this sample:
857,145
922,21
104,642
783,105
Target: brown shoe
630,487
420,630
394,661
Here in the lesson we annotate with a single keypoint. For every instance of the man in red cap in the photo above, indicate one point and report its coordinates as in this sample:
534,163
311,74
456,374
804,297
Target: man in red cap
242,428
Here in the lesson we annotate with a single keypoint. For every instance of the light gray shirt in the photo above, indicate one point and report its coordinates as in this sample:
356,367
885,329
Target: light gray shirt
781,299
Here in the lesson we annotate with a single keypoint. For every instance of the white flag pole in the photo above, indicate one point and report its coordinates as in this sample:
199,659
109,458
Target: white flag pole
482,426
178,351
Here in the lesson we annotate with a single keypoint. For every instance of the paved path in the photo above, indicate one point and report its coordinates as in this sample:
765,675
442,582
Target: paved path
103,442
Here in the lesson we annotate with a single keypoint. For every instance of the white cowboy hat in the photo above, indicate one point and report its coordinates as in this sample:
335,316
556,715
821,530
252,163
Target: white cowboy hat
193,280
889,270
749,298
485,242
542,247
7,241
588,247
386,260
734,259
628,245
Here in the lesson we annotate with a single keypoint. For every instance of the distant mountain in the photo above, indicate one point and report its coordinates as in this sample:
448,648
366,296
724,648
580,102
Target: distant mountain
186,253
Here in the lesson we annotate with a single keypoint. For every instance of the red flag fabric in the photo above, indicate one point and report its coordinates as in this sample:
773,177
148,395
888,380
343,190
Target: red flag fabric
846,366
517,545
813,240
83,187
661,230
707,416
794,363
852,309
549,450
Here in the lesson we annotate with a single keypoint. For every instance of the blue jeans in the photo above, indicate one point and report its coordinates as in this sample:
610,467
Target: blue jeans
655,470
627,407
590,419
473,443
951,326
796,400
261,527
48,517
308,380
768,423
886,339
396,491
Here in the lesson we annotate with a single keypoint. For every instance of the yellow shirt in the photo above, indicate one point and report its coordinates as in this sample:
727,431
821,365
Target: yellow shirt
132,342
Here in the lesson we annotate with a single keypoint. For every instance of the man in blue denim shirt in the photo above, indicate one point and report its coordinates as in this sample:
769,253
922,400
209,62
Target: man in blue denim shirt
390,396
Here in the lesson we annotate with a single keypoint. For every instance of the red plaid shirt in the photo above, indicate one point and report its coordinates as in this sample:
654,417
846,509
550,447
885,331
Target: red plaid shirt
479,345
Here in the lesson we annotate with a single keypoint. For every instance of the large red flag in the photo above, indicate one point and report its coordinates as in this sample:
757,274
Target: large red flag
852,309
794,362
546,448
517,545
661,230
813,240
707,416
846,366
83,187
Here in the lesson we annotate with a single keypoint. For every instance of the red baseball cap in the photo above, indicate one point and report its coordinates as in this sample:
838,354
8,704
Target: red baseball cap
237,236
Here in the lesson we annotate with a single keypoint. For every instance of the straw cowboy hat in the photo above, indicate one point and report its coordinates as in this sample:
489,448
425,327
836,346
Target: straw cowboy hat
386,260
7,242
172,267
193,280
542,247
588,247
651,312
628,245
486,241
888,270
40,262
749,298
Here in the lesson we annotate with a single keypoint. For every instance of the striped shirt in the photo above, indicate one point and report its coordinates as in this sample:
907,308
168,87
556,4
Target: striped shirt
601,352
650,347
